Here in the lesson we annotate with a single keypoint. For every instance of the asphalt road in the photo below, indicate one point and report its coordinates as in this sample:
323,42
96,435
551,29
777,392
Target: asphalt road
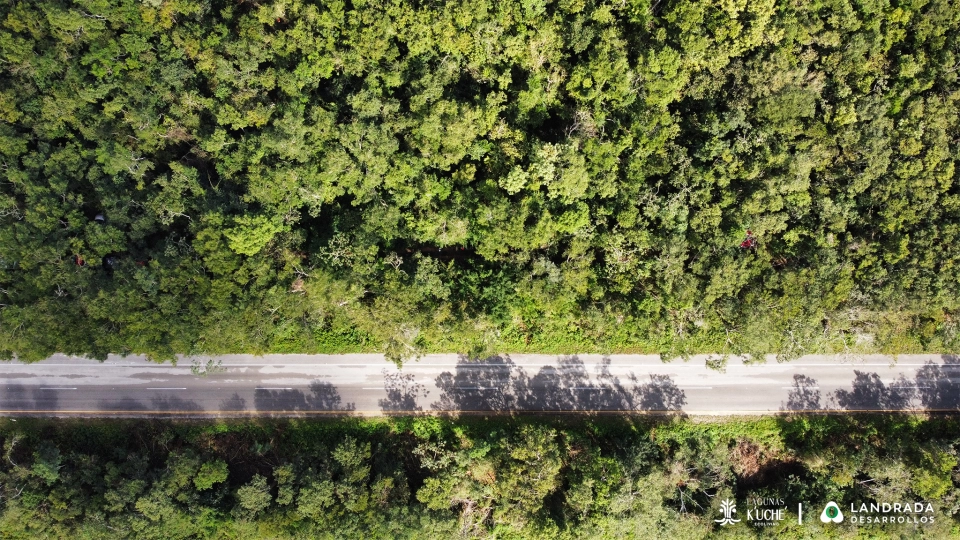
368,385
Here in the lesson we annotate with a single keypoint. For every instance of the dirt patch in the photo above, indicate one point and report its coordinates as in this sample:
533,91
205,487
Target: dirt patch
754,467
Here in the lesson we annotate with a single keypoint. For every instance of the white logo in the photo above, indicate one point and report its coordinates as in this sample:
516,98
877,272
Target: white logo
765,511
905,512
831,512
729,509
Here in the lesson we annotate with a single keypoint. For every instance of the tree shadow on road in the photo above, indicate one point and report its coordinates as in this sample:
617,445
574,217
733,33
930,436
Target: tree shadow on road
233,403
171,403
122,404
402,392
935,386
564,387
323,396
497,384
661,394
803,396
871,394
16,397
939,385
160,404
478,385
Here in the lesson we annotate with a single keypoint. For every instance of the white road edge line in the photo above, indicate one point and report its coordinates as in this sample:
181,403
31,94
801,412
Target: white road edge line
515,364
573,388
57,388
166,388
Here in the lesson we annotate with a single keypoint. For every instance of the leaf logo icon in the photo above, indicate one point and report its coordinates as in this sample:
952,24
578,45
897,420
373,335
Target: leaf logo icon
831,512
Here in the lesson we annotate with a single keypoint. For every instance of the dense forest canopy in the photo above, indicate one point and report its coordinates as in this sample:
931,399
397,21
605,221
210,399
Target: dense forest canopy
203,175
515,479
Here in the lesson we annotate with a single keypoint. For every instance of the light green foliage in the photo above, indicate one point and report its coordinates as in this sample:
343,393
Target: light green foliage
353,460
211,472
934,480
284,476
250,234
254,497
46,464
314,499
531,473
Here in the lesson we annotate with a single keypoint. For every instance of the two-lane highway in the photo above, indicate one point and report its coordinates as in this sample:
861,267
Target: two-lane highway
367,384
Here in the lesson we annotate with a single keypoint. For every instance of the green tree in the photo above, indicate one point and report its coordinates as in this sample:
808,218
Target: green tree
210,473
